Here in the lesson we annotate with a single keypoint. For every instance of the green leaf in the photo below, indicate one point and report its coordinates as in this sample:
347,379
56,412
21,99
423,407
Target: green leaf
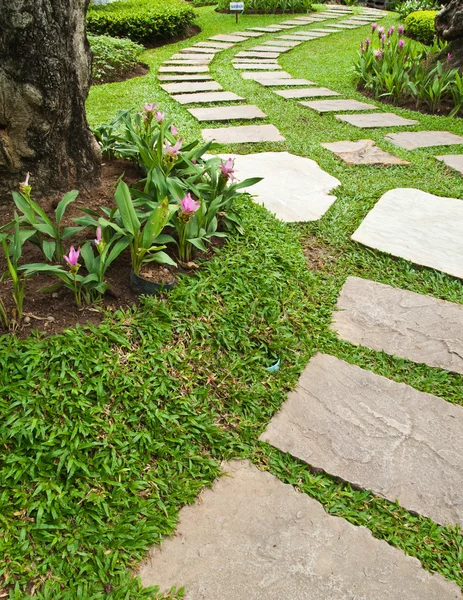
67,199
126,209
46,228
69,232
162,258
49,248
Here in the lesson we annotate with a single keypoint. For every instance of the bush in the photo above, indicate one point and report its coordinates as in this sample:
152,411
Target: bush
204,2
409,6
270,6
420,25
112,57
144,21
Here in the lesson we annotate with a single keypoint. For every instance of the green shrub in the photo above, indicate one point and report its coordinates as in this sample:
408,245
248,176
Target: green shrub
144,21
420,25
408,6
112,57
204,2
270,6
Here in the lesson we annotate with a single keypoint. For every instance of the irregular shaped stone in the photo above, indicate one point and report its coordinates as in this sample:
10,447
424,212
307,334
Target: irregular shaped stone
260,55
377,434
454,161
269,29
306,93
282,43
184,77
417,226
199,50
184,69
376,120
420,328
255,61
248,34
363,152
249,66
243,134
219,45
252,537
320,30
266,75
294,188
193,56
323,106
186,61
228,38
297,38
411,140
227,113
203,97
186,86
275,49
278,81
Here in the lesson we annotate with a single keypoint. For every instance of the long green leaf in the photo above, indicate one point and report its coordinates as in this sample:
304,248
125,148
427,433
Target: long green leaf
67,199
126,209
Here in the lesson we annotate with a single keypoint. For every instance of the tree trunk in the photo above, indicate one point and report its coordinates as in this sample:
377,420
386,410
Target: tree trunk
45,71
449,26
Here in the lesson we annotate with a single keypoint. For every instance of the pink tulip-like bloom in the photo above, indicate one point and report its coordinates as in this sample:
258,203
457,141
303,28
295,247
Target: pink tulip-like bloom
401,44
400,29
173,150
362,49
150,107
97,241
390,31
160,116
367,42
173,130
24,186
373,27
227,169
73,257
383,40
189,206
378,54
26,181
449,56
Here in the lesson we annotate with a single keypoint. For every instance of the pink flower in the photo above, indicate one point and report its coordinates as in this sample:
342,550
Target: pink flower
401,44
367,42
160,116
362,49
400,29
227,169
73,257
390,31
189,206
150,107
449,56
24,186
383,40
380,31
173,150
173,130
373,27
26,181
378,54
98,238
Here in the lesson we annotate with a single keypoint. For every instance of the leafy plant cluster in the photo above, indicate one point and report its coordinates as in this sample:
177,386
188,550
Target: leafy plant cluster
270,6
420,25
112,58
199,3
143,21
403,71
409,6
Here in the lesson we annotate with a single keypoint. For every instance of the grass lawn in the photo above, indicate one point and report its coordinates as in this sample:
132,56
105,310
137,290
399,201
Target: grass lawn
106,432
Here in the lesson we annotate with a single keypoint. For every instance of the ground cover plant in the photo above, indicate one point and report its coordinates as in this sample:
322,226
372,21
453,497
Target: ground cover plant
113,58
409,6
176,385
270,6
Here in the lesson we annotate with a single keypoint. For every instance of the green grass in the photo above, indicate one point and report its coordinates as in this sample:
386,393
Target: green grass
107,432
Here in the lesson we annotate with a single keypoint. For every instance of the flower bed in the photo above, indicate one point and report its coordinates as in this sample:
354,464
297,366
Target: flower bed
270,6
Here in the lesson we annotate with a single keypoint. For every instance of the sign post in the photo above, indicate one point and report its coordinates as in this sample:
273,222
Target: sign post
236,7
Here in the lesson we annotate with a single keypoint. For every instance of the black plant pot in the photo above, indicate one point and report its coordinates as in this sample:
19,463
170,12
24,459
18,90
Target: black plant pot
144,287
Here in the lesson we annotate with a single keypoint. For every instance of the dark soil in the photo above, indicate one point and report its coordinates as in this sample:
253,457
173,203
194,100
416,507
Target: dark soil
318,255
156,273
139,70
189,32
443,109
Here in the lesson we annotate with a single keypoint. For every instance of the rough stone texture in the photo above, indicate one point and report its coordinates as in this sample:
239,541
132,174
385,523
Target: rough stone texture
420,227
227,113
306,93
223,37
255,61
199,50
421,328
261,55
266,75
323,106
243,135
208,97
249,66
248,34
377,434
363,152
411,140
194,56
219,45
184,77
278,49
282,43
277,81
297,38
252,537
269,29
207,86
320,30
454,161
292,22
294,188
376,120
183,69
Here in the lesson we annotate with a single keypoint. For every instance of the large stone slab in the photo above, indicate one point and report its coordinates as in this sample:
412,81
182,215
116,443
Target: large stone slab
249,66
199,50
193,77
255,61
243,135
269,29
417,226
184,69
223,37
376,120
275,49
377,434
266,75
320,30
252,537
260,55
194,56
227,113
297,38
421,328
363,152
454,161
306,92
249,34
219,45
293,187
282,43
323,106
411,140
181,61
203,97
278,82
206,86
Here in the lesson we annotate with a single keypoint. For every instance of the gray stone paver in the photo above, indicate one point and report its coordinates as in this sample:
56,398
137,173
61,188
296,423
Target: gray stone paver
411,140
249,34
193,77
206,86
184,69
376,120
363,152
454,161
278,49
306,92
297,38
333,105
282,43
199,50
227,113
420,328
377,434
194,55
223,37
417,226
243,134
248,66
201,97
278,82
218,45
266,75
260,55
252,537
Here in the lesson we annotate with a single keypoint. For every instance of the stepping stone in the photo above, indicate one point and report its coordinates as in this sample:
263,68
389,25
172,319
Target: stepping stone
255,61
311,33
291,22
243,134
248,34
411,140
261,55
282,43
193,56
184,77
183,69
218,45
266,29
192,63
294,188
323,106
297,38
420,328
207,86
257,66
277,81
377,434
254,537
377,120
266,75
454,161
199,50
417,226
306,93
206,97
323,30
227,113
363,152
228,38
342,26
278,49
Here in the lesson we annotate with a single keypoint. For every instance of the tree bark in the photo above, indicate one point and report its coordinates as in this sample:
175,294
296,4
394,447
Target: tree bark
45,74
449,26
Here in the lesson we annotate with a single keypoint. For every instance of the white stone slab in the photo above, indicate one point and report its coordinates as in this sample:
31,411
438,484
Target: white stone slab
243,135
255,61
256,66
218,45
248,34
184,69
264,49
206,86
363,152
417,226
376,120
283,44
203,97
199,50
420,328
228,38
266,75
260,55
269,29
377,434
454,161
252,537
278,82
306,93
320,30
411,140
294,188
297,38
227,113
193,77
193,56
186,61
323,106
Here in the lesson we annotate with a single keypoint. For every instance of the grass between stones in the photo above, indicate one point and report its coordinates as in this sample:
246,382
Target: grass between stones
107,432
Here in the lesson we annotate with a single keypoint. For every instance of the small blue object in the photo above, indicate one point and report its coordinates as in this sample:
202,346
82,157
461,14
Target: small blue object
274,367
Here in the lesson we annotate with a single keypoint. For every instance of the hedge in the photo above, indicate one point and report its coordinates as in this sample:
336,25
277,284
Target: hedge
112,58
420,25
144,21
270,6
